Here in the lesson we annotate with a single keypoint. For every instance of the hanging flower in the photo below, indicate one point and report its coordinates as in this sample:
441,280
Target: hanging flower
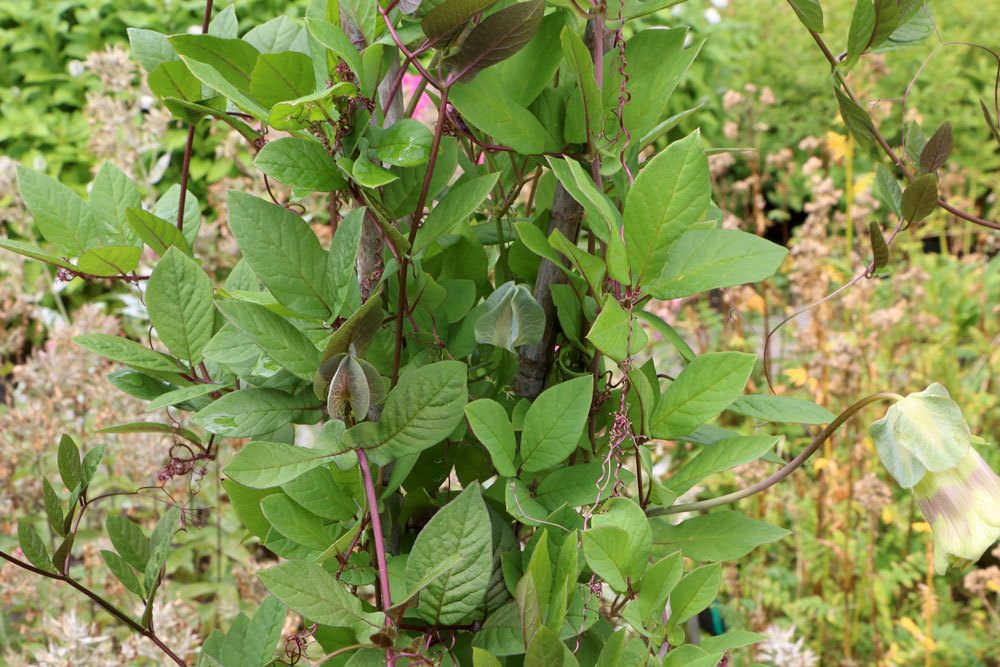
925,444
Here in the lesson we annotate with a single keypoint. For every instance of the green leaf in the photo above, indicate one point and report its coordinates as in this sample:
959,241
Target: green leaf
886,21
724,535
33,547
277,337
159,546
111,195
888,191
331,495
407,143
857,120
781,409
297,523
156,232
491,425
128,540
706,259
152,427
581,66
341,269
182,395
617,547
150,48
496,38
123,572
173,79
937,149
920,198
722,455
862,26
731,640
449,15
113,260
333,38
225,65
274,36
127,352
283,251
53,508
300,163
462,526
546,650
574,486
60,214
512,318
693,593
601,214
706,387
309,590
264,631
670,193
616,332
179,299
34,252
455,207
809,12
167,207
420,411
278,77
68,461
656,585
367,173
528,72
492,111
554,423
880,249
253,412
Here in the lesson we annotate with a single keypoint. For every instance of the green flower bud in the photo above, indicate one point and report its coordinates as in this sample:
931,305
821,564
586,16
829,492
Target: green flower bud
925,444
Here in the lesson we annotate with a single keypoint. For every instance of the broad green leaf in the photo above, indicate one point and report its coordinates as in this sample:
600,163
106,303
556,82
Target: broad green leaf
407,143
33,547
302,112
246,504
34,252
694,592
530,70
860,34
937,149
733,639
256,411
225,65
274,36
546,650
455,207
179,300
887,190
182,395
719,456
68,462
264,631
616,332
156,232
308,589
581,66
128,540
496,38
656,585
152,427
781,409
283,251
127,352
602,216
809,12
450,15
512,318
857,120
367,173
706,387
168,205
462,526
724,535
297,523
173,79
111,195
112,260
53,508
575,486
705,259
277,337
279,77
670,193
555,422
420,411
333,38
60,214
617,546
150,48
495,113
123,572
331,495
886,21
690,655
159,546
341,266
491,425
300,163
920,198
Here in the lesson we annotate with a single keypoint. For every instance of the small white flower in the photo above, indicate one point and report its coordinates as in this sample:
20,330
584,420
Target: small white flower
712,15
75,68
721,4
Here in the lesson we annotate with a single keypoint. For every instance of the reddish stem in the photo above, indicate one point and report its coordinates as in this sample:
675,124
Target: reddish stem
189,144
383,568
